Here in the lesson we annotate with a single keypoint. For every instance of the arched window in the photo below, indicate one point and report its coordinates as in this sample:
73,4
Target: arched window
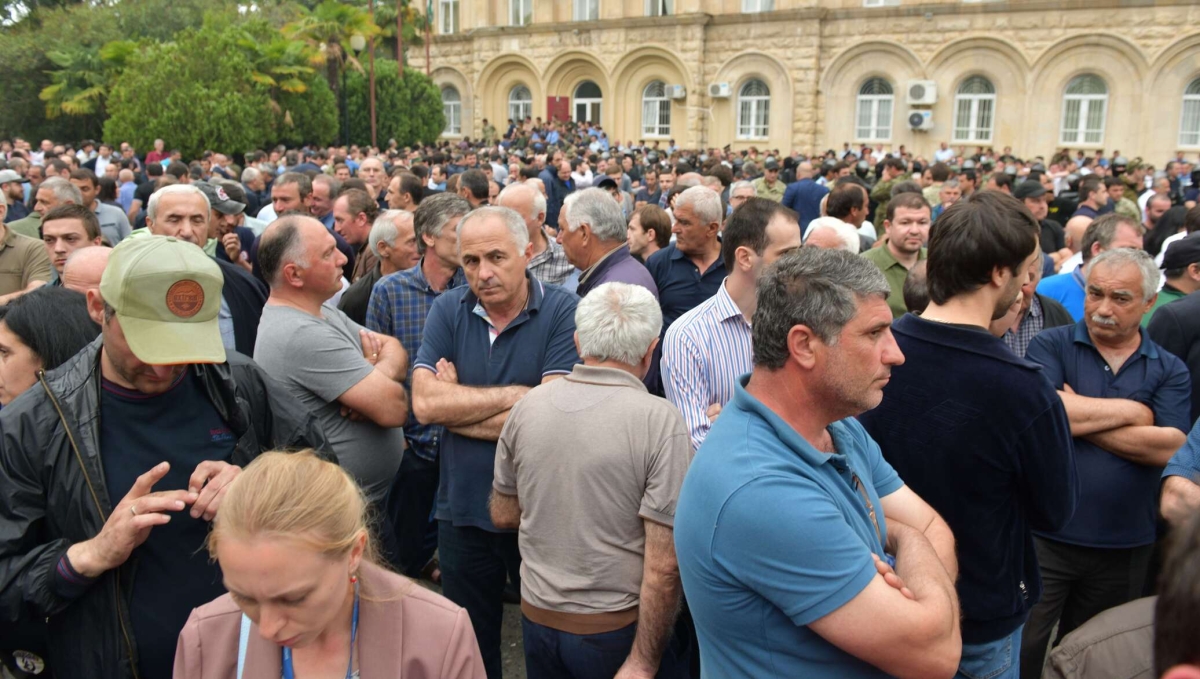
974,110
520,103
656,110
754,110
587,102
874,114
1084,104
452,107
1189,128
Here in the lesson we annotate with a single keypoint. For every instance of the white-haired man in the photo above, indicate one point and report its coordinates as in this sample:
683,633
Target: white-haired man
393,242
832,233
592,233
577,618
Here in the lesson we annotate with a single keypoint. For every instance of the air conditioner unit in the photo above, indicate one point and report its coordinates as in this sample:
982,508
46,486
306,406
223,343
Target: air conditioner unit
677,91
920,120
921,92
720,90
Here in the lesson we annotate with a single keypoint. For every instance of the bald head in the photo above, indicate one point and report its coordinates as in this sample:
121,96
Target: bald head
804,170
84,268
1074,230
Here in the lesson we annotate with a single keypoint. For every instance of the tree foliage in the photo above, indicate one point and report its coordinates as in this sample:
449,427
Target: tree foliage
408,110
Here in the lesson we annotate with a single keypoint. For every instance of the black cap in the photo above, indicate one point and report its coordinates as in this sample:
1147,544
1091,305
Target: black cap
219,200
606,183
1030,188
771,164
1182,253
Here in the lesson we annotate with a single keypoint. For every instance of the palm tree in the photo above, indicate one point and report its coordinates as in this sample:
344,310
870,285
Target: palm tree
79,86
328,29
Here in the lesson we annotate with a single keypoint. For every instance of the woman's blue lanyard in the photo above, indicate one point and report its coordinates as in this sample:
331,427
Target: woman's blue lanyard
290,673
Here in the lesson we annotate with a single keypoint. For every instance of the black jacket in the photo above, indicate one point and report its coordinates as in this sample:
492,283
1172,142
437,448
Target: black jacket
1054,313
245,296
1176,327
53,495
356,300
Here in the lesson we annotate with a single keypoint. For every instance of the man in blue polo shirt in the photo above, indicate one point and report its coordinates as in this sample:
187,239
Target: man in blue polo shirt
1106,233
484,346
1128,401
789,516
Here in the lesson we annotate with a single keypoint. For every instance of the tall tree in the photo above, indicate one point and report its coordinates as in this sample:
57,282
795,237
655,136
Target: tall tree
329,29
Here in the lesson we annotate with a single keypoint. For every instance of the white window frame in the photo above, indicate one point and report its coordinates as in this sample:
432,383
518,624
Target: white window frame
453,112
749,125
590,103
876,103
755,6
881,3
520,12
1087,102
448,16
1189,135
976,105
656,112
660,8
586,10
523,107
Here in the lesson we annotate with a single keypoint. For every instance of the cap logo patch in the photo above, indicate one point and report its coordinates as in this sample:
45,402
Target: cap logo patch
185,298
221,195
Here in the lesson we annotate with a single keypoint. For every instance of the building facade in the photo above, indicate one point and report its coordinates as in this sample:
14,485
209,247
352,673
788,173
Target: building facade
1035,75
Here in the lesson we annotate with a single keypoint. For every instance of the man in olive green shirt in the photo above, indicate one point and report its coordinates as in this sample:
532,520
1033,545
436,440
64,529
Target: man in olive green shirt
893,173
24,264
1181,268
906,227
768,186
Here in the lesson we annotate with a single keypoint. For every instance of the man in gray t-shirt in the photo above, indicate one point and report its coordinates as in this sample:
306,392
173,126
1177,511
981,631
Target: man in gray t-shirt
350,377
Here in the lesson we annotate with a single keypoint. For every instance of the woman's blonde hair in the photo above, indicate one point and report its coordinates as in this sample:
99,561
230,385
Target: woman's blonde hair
297,496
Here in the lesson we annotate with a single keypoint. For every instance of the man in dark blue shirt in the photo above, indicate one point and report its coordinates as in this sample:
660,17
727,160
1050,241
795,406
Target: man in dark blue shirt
975,431
1128,401
484,346
804,196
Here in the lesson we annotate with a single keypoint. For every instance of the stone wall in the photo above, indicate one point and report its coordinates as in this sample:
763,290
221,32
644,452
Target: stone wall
814,56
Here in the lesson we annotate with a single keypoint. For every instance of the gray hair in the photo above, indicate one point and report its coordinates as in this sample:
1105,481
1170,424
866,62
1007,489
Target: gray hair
537,206
846,233
432,215
63,190
1151,276
813,287
385,229
739,185
597,209
702,201
174,189
617,322
517,230
250,174
949,184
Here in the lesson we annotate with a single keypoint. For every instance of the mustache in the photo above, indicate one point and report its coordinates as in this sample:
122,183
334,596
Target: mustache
1103,320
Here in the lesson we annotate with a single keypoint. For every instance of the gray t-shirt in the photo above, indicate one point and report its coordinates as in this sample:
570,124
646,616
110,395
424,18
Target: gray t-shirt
318,360
589,456
114,225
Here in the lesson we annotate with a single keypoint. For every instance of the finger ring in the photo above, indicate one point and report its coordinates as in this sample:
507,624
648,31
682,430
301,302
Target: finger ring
132,510
375,355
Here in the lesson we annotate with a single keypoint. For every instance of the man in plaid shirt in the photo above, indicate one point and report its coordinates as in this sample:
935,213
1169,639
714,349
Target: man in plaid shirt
399,304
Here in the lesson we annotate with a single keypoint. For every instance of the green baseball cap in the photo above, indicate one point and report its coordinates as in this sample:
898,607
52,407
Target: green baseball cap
167,295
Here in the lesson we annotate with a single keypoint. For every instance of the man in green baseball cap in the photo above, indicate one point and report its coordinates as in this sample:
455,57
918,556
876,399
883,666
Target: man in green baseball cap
124,454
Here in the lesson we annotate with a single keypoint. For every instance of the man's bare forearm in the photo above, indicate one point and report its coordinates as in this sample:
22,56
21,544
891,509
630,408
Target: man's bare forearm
659,598
505,510
921,569
487,430
393,360
454,405
1093,415
941,538
1180,499
1151,446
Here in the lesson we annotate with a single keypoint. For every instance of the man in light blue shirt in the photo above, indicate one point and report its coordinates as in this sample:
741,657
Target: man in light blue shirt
789,516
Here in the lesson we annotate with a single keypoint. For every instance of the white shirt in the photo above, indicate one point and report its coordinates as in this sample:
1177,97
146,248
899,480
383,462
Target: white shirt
1073,262
583,181
1162,253
102,163
943,155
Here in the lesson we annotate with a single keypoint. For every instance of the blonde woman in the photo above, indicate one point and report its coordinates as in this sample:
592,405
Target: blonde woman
306,599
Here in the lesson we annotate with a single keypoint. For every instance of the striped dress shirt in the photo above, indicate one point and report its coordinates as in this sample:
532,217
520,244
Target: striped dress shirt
704,353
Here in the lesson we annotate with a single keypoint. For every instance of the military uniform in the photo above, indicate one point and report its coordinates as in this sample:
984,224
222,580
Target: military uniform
774,193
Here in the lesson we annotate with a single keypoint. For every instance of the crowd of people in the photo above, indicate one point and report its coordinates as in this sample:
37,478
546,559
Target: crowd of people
858,413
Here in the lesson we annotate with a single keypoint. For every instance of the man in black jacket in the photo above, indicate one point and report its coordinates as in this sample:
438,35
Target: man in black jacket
182,211
114,464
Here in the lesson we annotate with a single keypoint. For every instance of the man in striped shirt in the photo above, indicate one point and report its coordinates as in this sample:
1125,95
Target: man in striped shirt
709,347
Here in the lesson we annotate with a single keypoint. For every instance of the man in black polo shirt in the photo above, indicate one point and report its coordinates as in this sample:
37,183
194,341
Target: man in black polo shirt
978,433
484,346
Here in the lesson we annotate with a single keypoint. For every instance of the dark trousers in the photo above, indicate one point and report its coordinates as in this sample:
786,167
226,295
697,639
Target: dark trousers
553,654
475,566
410,505
1078,583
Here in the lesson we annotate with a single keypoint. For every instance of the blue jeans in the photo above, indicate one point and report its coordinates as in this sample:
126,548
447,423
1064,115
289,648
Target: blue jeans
553,654
999,659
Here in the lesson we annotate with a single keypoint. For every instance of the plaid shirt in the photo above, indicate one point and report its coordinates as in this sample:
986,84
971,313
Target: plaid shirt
399,304
1033,323
551,265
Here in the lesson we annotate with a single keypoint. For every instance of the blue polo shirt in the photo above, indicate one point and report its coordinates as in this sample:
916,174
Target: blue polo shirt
1186,461
1118,499
681,284
538,342
1066,289
772,535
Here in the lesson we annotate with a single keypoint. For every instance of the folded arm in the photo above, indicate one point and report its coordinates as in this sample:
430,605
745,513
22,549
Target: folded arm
1151,446
906,507
1093,415
454,405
